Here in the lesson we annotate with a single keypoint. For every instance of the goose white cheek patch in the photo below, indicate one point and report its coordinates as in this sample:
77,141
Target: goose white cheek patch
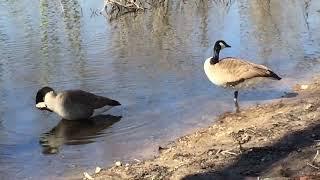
41,105
222,45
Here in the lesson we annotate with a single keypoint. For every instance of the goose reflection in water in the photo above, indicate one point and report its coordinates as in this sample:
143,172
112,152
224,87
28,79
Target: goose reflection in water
75,132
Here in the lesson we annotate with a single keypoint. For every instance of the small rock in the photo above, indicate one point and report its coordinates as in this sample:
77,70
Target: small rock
127,165
210,153
87,176
118,163
308,107
98,169
304,86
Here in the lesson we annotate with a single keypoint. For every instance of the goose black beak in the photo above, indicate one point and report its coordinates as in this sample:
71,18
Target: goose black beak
41,106
45,109
228,46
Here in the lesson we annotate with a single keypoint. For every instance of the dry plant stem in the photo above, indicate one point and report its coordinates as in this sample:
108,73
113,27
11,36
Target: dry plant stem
229,152
313,166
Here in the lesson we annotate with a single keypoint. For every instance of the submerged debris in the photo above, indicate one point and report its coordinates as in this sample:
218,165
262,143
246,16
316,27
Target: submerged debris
115,8
119,7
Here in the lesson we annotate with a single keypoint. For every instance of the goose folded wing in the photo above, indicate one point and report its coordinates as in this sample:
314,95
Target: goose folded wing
88,99
236,70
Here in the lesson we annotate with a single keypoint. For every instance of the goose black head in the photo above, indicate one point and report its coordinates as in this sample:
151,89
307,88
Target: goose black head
40,96
220,44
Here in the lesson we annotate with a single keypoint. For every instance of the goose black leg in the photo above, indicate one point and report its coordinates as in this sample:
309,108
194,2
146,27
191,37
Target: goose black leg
236,101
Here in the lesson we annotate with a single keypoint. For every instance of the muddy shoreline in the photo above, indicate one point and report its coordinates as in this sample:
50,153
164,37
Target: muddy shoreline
279,140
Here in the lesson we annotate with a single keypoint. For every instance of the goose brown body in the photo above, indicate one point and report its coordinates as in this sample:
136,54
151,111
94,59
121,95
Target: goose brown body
232,72
73,104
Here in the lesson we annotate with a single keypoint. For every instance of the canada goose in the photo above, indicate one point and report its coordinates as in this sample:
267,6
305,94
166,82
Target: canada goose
234,72
73,104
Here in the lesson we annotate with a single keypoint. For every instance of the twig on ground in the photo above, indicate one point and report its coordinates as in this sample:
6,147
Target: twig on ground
311,165
252,131
315,156
229,152
219,150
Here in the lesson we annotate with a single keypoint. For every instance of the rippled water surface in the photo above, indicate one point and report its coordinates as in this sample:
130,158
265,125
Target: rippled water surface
151,62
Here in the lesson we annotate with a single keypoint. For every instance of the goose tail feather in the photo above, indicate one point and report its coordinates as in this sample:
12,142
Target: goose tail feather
274,75
114,103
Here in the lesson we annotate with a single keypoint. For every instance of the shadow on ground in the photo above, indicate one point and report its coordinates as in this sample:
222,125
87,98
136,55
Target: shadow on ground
258,160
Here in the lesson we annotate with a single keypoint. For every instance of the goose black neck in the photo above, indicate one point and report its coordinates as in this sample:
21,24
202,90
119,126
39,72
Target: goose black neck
215,58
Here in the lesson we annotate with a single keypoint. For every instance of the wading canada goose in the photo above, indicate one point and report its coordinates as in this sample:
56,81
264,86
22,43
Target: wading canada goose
73,104
234,72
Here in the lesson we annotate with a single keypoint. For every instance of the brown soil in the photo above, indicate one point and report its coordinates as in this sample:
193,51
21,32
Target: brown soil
279,140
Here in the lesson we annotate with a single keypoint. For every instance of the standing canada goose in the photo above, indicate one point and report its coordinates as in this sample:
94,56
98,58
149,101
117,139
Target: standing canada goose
234,72
73,104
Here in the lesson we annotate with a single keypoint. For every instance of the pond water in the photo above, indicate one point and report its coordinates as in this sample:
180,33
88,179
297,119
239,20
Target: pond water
151,62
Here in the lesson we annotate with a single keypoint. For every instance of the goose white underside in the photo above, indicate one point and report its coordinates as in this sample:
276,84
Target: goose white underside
210,74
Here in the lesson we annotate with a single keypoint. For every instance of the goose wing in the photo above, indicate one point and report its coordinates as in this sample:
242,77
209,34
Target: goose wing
86,98
234,70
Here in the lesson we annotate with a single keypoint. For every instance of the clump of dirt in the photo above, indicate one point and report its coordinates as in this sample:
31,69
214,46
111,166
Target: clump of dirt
281,139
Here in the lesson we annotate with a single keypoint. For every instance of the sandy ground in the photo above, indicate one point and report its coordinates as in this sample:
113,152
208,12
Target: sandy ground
279,140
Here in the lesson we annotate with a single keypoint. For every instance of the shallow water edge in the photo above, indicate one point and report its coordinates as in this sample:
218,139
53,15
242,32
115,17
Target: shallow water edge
278,139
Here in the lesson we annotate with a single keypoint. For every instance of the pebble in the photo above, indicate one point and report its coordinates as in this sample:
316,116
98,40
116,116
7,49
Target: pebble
304,87
98,169
118,163
308,106
87,176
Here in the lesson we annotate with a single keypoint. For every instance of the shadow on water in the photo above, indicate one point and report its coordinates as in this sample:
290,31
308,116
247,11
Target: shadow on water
260,94
75,132
250,163
264,95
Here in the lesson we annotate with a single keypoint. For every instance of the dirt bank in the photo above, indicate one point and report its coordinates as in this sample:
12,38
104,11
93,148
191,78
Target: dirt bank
280,139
